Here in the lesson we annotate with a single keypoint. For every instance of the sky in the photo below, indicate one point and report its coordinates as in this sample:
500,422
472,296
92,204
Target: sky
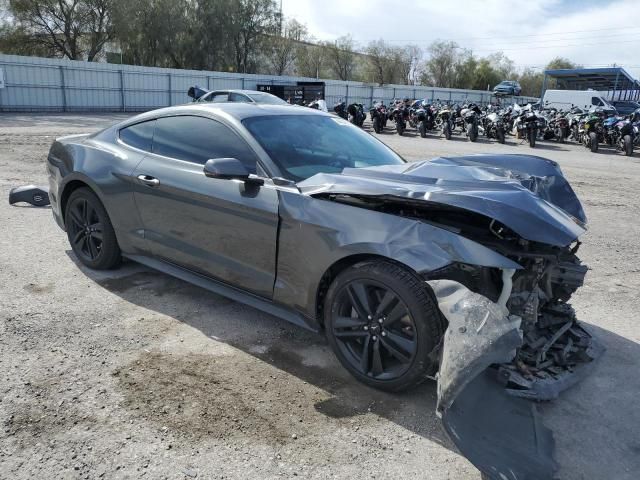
530,32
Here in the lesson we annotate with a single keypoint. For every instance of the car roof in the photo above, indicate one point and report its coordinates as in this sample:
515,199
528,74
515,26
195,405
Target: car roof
238,111
233,90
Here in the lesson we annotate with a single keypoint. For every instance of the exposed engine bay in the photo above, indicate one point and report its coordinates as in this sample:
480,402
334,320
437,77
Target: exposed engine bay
512,328
553,342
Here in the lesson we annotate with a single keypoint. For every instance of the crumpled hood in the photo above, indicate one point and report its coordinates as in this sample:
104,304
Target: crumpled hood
526,193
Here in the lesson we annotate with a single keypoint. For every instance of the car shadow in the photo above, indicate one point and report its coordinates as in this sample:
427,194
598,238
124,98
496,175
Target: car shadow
299,352
594,423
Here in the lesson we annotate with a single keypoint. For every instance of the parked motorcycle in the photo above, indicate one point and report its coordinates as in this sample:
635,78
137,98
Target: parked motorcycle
634,118
557,126
356,114
470,115
494,126
400,115
526,124
378,114
444,121
574,117
341,110
618,133
592,130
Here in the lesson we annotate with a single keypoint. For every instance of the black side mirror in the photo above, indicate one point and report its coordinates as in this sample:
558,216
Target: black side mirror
229,169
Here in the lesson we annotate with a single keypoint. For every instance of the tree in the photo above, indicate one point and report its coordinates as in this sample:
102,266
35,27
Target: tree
377,53
340,57
282,49
531,82
70,28
251,22
440,69
310,59
561,63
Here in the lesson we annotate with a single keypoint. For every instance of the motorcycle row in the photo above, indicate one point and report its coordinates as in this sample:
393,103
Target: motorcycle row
592,128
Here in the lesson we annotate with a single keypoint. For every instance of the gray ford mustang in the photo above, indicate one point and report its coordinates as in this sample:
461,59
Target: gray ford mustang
458,268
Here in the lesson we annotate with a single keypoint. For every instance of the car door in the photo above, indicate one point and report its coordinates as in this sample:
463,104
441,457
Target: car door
225,229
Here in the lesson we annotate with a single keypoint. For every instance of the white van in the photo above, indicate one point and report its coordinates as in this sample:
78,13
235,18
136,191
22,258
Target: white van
565,99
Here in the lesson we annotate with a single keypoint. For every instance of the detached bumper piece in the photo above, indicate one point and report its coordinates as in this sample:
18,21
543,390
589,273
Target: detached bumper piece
36,196
492,363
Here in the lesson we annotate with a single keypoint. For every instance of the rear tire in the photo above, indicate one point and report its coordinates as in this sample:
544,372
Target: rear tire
500,135
90,231
399,128
422,128
472,133
532,133
376,125
389,351
628,145
593,142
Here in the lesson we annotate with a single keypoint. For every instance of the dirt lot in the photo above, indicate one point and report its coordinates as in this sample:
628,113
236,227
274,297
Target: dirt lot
131,373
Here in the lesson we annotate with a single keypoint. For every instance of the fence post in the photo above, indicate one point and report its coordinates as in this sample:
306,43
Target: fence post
169,78
64,90
242,83
346,97
209,83
371,100
122,100
414,94
394,93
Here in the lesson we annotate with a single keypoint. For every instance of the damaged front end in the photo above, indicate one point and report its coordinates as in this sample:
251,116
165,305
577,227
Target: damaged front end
512,335
553,350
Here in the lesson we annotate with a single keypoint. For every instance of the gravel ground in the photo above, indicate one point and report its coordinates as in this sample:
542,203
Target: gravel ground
131,373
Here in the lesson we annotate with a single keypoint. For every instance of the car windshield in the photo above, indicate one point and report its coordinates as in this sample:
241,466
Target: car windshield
303,145
266,98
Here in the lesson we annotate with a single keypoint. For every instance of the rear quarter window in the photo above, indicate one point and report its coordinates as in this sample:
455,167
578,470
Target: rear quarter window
139,135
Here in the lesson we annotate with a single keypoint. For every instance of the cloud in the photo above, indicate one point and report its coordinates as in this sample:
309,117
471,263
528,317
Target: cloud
530,33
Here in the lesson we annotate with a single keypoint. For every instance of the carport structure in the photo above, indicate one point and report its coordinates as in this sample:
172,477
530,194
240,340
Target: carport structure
615,81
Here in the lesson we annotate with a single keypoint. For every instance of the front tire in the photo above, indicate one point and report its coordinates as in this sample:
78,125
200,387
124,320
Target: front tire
532,133
447,130
500,135
382,323
90,232
593,142
627,141
399,128
422,128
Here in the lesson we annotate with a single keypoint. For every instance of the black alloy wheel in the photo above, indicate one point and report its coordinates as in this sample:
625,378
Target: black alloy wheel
90,232
382,324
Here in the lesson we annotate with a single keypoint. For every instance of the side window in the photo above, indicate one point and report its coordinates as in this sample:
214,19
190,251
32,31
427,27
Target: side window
596,101
139,135
197,139
238,97
219,97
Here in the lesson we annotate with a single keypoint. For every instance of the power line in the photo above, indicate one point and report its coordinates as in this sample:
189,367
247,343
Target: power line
485,50
500,37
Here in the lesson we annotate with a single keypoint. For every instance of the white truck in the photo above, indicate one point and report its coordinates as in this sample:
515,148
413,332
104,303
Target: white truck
566,99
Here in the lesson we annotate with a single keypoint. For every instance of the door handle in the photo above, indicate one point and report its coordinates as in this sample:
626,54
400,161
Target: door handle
149,180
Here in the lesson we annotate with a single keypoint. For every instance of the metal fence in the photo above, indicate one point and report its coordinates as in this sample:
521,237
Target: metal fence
47,84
